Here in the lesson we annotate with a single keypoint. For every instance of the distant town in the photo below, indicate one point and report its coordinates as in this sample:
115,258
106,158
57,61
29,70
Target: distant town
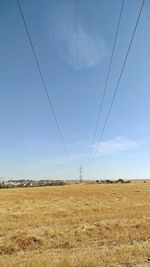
29,183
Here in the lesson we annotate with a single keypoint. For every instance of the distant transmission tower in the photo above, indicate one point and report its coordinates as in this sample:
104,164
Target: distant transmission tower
80,174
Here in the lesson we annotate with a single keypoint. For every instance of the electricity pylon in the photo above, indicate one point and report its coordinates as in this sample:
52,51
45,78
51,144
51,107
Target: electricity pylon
80,175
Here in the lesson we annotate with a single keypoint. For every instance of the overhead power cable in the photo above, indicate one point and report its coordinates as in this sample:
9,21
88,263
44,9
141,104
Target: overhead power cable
77,68
106,82
107,77
42,79
77,64
118,82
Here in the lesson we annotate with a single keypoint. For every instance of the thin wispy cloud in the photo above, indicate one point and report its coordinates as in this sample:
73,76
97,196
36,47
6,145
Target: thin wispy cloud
116,145
64,36
90,49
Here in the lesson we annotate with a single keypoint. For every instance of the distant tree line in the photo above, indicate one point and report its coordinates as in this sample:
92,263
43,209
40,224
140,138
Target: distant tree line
113,181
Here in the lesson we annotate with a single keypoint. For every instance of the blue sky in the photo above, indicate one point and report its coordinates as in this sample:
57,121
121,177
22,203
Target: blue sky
30,146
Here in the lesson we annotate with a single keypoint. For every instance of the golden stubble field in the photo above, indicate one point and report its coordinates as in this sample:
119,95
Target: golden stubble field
76,226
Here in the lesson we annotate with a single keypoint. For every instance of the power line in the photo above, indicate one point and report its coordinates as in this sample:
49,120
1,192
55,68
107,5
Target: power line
77,63
42,79
119,79
77,76
107,78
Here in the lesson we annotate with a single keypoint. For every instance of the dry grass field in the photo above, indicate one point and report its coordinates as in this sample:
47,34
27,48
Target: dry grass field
76,226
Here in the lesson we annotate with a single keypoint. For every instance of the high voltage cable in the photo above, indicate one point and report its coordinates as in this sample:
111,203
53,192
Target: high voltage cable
42,79
107,77
77,62
77,69
118,82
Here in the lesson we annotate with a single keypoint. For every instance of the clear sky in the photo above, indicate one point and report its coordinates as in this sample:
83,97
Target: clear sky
30,146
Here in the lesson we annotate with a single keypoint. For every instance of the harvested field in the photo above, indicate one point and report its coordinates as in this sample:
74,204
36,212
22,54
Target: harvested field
76,226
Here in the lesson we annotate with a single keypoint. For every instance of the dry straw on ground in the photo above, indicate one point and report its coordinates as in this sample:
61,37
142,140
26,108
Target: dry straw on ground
76,226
